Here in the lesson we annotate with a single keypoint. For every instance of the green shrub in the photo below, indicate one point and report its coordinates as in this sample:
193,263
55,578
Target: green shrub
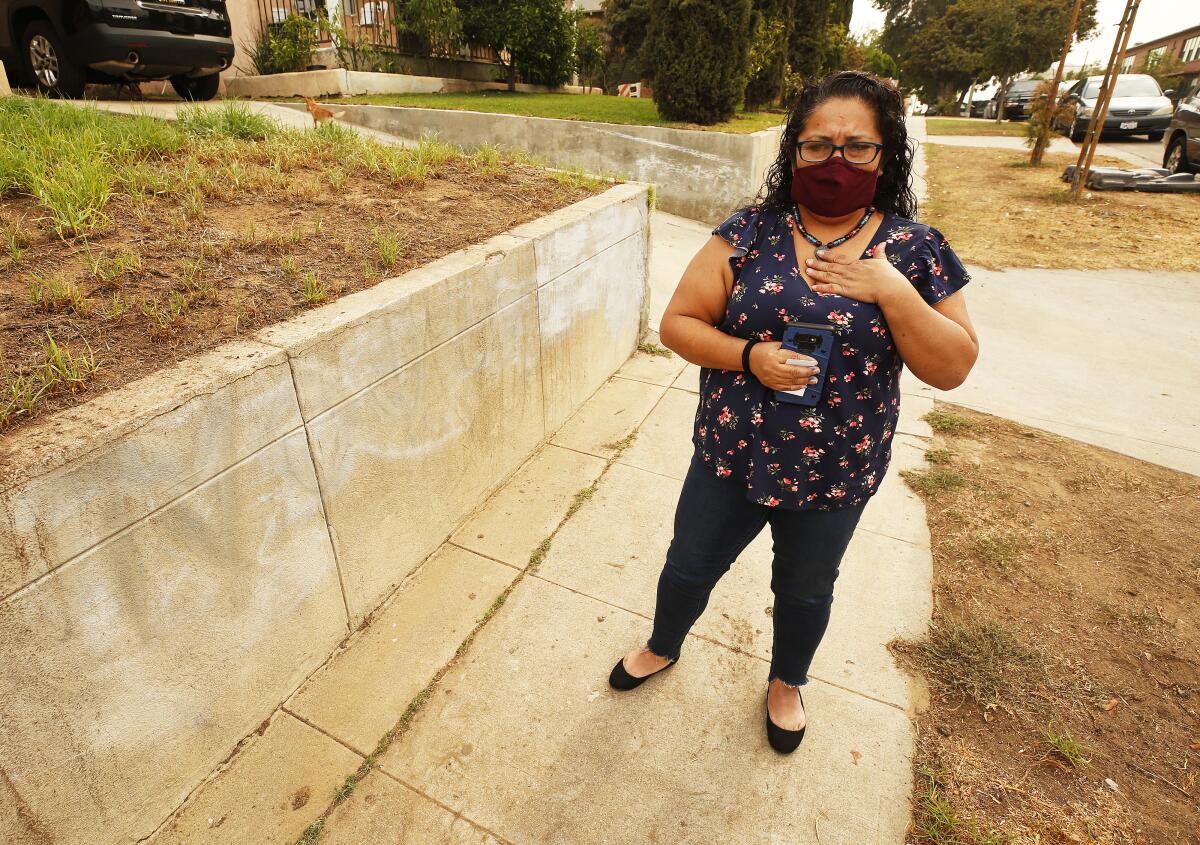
284,47
699,54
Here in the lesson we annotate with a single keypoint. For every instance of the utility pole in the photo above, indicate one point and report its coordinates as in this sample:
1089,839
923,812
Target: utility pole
1051,107
1096,125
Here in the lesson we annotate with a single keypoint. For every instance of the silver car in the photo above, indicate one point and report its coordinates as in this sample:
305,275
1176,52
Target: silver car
1138,107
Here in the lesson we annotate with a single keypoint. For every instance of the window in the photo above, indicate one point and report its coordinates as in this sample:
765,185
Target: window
1191,49
1126,66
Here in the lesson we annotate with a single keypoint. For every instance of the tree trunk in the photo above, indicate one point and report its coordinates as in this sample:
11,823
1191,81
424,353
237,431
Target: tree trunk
512,75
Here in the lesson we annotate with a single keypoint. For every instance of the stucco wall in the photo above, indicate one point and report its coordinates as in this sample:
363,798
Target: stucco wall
697,174
339,81
178,555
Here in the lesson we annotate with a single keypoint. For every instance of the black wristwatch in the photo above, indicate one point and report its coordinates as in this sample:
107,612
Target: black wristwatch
746,354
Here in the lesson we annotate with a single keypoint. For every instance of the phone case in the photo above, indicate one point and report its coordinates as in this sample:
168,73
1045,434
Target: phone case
816,341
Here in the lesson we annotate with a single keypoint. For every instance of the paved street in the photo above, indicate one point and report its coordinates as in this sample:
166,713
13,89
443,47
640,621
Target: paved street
1138,152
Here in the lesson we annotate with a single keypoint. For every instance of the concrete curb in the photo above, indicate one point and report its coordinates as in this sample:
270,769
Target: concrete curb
697,174
179,555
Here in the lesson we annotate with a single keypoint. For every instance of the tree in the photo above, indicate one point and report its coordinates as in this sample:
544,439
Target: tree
699,51
837,36
436,24
770,26
589,51
807,45
945,59
1022,35
537,35
903,22
624,32
943,47
863,53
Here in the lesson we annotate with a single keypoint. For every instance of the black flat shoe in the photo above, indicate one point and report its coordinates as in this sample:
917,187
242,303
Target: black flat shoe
618,678
782,739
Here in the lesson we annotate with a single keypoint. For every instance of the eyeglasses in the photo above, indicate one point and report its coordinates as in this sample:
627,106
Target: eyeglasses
855,152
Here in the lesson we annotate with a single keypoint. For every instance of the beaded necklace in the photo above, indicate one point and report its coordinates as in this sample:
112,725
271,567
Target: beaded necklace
794,214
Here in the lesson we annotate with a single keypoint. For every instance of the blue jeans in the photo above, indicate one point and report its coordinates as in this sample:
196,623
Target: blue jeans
714,522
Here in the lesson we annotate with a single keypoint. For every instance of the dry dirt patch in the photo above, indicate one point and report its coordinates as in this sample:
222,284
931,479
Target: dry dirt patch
1064,652
127,244
1000,212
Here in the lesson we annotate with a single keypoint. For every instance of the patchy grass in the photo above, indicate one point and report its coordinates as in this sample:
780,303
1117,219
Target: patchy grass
980,660
1065,744
999,547
973,126
939,456
999,212
604,109
940,823
656,349
148,241
931,481
946,422
1062,655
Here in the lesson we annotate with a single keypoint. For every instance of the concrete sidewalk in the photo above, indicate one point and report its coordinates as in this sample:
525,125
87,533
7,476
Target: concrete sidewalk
502,728
1108,357
1137,154
1049,339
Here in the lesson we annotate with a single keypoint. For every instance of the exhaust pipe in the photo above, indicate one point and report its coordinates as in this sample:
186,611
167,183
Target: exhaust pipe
133,58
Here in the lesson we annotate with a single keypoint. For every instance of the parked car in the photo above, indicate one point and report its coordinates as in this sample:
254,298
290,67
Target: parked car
1181,152
978,108
58,46
1018,99
1138,107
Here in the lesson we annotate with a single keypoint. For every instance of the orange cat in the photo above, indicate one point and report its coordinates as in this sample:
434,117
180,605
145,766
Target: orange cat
320,113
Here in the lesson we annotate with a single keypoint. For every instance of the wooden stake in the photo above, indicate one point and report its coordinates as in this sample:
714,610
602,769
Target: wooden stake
1096,126
1046,128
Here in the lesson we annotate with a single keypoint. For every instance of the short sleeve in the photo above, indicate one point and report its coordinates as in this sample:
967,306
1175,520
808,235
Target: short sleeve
936,270
740,230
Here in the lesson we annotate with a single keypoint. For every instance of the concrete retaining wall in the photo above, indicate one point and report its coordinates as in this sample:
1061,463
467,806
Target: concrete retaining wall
178,555
341,82
697,174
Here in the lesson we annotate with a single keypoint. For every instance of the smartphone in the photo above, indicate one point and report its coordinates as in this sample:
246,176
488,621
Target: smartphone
816,341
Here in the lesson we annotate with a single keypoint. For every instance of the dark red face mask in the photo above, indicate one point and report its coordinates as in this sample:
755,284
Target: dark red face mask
833,187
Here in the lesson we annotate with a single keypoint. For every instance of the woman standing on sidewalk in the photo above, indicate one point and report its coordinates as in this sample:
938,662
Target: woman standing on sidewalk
829,240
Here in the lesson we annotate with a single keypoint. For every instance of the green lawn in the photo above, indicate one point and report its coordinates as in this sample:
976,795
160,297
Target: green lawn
974,126
626,110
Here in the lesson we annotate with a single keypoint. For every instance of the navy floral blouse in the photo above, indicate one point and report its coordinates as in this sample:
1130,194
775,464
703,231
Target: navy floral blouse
834,454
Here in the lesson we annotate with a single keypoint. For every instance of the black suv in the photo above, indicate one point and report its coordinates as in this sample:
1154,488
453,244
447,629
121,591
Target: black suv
1018,99
58,46
1181,152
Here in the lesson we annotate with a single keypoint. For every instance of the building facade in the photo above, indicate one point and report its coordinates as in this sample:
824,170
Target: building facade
1183,45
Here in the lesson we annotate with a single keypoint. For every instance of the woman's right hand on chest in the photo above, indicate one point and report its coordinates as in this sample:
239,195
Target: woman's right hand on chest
768,364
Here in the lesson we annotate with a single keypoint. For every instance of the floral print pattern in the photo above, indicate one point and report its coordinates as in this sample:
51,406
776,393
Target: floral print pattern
836,453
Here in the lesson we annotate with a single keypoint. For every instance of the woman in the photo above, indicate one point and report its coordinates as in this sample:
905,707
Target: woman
829,240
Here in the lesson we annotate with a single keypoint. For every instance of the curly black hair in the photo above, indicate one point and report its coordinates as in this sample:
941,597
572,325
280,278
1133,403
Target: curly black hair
893,190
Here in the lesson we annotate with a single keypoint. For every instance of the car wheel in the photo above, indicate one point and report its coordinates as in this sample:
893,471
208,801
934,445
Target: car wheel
1077,132
1174,160
196,88
52,70
1156,136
